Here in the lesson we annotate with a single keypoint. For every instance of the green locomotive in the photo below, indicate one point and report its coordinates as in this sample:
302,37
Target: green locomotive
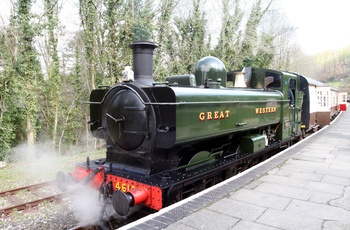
166,141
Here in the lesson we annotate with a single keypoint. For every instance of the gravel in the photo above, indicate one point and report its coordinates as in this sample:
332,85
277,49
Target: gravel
49,216
80,208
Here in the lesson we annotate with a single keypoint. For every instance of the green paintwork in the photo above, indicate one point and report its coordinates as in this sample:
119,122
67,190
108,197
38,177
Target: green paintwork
241,104
182,80
291,116
210,69
252,143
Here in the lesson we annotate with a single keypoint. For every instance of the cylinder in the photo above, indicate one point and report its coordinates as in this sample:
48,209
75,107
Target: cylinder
143,61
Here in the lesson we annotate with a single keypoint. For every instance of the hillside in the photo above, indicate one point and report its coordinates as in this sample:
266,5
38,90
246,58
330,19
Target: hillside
330,67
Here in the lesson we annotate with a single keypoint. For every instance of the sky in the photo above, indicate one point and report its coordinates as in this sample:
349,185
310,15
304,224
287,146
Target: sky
321,24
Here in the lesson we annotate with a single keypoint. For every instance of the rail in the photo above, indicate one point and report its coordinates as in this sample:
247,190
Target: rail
17,204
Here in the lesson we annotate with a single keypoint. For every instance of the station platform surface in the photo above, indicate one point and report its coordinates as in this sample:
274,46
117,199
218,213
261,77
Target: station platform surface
306,186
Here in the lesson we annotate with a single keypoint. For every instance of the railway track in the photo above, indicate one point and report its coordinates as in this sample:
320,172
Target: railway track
34,192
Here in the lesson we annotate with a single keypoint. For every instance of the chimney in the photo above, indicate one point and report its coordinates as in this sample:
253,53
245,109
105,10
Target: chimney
143,61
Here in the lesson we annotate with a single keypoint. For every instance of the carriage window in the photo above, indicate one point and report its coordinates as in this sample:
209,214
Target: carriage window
322,96
343,98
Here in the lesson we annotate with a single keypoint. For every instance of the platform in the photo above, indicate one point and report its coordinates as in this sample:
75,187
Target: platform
304,187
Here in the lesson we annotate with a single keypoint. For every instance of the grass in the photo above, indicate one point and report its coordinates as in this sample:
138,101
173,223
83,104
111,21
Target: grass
25,196
3,202
40,169
336,84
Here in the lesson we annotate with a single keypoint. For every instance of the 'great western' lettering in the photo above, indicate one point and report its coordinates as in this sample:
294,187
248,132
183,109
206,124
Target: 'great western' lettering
265,110
216,115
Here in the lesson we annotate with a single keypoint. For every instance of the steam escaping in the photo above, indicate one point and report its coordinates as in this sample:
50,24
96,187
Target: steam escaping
90,209
35,163
86,205
33,152
41,162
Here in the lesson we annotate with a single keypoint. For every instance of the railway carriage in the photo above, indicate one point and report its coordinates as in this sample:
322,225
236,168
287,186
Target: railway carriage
328,105
342,98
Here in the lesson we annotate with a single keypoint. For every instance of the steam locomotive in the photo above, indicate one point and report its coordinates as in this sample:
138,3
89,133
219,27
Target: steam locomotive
167,141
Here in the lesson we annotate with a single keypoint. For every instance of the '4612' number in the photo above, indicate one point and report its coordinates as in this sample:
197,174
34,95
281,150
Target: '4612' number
123,187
